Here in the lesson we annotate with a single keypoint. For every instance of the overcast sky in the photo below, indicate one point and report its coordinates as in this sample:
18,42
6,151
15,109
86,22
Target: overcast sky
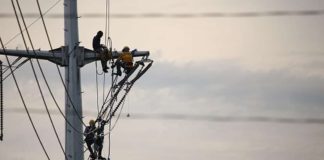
214,61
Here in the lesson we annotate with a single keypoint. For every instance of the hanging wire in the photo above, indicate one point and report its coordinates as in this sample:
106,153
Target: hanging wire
13,63
110,44
120,111
106,15
57,67
18,66
103,88
23,101
49,9
35,75
97,97
128,106
1,103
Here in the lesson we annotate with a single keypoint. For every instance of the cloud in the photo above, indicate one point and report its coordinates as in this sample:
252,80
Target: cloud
227,83
203,87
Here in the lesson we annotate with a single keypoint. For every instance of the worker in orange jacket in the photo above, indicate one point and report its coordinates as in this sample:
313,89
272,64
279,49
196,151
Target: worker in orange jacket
124,60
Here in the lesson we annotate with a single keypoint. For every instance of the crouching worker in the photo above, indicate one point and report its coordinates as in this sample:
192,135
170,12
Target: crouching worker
102,50
89,134
124,60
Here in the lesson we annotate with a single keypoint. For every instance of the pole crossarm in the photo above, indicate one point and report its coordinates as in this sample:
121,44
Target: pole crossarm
57,56
60,55
90,55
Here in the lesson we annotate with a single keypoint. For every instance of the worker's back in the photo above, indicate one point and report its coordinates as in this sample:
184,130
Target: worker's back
126,57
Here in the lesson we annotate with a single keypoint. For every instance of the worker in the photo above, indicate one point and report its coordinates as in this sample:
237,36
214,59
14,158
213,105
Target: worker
89,134
124,60
100,138
101,49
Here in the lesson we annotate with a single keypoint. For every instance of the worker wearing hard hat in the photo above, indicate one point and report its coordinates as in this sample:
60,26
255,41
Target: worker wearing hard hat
124,60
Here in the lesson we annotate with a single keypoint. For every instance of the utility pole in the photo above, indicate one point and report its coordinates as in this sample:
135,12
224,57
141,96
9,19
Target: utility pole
72,57
73,139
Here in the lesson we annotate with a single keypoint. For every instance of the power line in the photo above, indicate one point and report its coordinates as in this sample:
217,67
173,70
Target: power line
1,103
58,69
18,66
51,93
35,75
15,36
38,18
23,101
13,5
13,63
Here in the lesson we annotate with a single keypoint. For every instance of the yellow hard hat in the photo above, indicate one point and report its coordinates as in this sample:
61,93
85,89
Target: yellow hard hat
92,122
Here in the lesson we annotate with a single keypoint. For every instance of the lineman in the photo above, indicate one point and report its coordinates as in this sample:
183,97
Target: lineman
101,49
89,133
100,138
124,60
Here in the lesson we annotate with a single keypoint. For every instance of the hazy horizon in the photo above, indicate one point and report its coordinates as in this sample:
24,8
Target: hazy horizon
231,80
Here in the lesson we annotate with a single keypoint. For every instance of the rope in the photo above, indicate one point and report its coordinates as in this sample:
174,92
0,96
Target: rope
103,88
109,133
107,21
97,87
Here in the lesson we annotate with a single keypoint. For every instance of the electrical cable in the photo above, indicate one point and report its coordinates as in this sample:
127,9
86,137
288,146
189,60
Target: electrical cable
23,101
106,99
106,15
51,93
49,9
103,88
128,88
35,75
13,63
58,69
18,66
113,98
1,103
15,36
109,40
121,108
111,87
97,87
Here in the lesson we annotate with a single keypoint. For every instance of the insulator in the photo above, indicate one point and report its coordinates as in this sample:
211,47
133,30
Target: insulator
1,103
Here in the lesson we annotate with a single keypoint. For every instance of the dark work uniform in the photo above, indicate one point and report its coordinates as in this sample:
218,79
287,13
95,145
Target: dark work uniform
89,134
96,43
98,48
100,139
